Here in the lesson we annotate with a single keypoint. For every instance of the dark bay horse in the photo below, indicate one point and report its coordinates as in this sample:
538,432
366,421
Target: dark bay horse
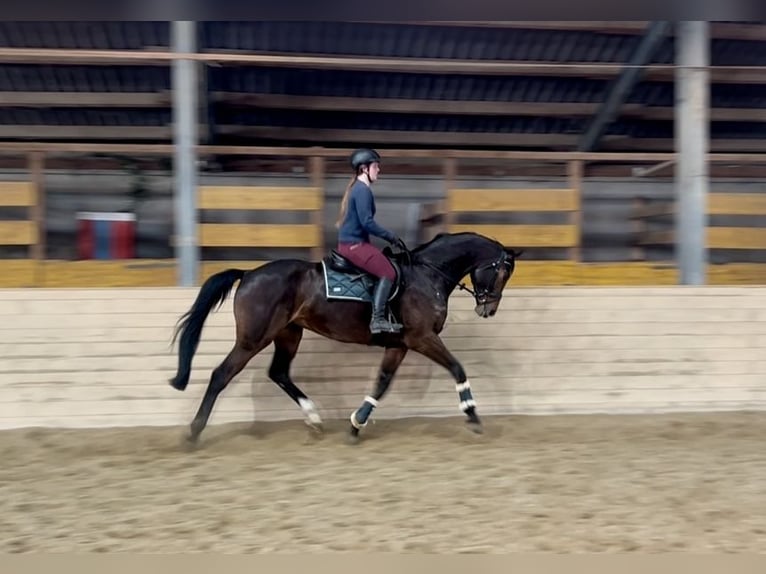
277,301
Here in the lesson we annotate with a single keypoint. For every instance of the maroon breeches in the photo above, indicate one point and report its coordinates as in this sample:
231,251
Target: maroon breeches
369,258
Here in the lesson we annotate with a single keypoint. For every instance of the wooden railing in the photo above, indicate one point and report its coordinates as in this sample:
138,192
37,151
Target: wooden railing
655,227
19,231
744,237
461,202
246,198
509,206
562,201
308,236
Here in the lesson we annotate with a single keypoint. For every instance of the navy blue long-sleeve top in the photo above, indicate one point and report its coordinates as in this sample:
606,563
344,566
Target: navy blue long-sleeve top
359,222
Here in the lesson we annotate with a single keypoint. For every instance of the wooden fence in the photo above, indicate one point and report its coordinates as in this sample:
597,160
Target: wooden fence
505,206
720,203
242,199
102,358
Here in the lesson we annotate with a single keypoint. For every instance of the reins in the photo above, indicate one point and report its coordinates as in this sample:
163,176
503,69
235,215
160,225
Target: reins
460,284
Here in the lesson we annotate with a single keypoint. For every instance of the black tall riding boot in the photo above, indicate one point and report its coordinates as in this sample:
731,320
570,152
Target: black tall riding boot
379,323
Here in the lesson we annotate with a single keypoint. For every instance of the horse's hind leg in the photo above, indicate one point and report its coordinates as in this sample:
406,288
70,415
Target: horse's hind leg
285,347
222,375
392,358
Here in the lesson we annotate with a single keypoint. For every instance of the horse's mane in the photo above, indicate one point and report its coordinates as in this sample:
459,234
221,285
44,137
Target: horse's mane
442,235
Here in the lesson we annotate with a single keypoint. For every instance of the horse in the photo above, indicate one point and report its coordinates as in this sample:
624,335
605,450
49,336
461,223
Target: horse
277,301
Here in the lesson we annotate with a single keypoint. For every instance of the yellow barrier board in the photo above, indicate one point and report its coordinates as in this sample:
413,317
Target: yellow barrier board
163,273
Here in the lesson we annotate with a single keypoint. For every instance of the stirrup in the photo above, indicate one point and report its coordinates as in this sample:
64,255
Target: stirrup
384,326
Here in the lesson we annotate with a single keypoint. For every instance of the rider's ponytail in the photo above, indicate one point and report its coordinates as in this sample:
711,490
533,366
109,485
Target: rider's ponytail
344,202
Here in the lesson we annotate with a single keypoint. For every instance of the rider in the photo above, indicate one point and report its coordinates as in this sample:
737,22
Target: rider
356,223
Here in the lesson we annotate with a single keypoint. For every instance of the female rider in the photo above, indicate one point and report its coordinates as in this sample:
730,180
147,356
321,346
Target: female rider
356,223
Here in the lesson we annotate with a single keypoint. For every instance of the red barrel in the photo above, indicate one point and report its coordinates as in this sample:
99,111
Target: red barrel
106,235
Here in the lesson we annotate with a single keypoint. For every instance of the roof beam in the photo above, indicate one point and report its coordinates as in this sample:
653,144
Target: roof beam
16,148
717,145
620,89
401,137
594,70
388,137
467,107
74,132
440,66
408,105
718,30
384,105
613,27
667,113
54,99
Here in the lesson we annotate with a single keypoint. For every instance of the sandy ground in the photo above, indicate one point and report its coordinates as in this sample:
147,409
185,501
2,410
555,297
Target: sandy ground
561,484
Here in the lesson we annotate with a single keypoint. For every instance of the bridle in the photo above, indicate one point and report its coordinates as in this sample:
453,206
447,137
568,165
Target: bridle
483,296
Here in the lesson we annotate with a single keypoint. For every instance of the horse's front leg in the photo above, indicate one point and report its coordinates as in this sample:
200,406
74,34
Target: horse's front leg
392,358
433,347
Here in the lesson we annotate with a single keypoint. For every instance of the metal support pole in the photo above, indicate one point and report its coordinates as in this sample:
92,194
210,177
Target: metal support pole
621,88
691,135
184,81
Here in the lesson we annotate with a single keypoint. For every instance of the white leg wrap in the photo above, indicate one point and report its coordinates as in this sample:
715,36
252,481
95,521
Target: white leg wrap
465,405
369,399
355,423
466,400
309,409
373,403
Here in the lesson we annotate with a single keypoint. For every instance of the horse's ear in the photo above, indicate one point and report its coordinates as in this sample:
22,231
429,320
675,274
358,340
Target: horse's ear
515,254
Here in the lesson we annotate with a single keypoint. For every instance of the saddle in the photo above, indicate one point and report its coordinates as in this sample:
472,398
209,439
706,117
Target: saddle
345,281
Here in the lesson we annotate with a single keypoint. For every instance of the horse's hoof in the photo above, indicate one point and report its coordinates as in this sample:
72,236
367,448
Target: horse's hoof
190,442
475,427
315,428
175,384
352,437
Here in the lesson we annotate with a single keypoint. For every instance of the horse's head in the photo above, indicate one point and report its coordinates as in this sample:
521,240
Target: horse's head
489,280
455,255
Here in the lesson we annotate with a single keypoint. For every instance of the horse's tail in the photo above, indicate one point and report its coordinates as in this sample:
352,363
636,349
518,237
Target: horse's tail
213,292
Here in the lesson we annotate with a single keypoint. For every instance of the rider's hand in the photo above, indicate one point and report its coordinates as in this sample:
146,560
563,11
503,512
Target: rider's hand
400,244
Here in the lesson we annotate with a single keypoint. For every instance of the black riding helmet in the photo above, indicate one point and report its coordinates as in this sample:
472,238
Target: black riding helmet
364,156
